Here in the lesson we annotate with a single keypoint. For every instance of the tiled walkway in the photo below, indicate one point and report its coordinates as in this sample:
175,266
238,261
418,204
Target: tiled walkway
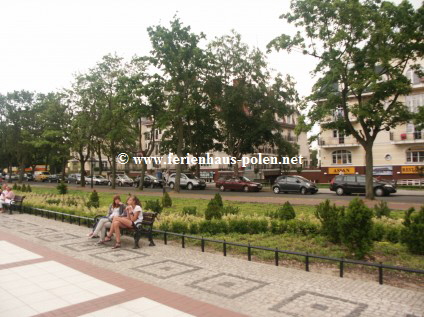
51,268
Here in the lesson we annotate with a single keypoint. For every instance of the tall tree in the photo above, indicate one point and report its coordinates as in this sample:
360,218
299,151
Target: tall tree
247,99
363,48
177,55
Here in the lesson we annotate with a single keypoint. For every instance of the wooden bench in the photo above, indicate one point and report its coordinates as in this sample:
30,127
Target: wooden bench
145,227
16,204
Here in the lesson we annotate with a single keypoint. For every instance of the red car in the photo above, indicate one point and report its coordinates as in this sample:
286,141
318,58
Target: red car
237,183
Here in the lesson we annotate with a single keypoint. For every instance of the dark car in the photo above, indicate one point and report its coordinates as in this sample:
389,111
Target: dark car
29,177
149,181
53,178
74,178
237,183
355,184
294,184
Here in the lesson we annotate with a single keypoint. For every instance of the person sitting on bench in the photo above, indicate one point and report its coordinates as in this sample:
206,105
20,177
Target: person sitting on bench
6,197
116,209
134,216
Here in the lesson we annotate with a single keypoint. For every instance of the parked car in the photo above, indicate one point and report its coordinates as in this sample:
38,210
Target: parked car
97,180
29,177
188,181
294,183
53,178
74,178
355,184
149,181
237,183
122,180
41,176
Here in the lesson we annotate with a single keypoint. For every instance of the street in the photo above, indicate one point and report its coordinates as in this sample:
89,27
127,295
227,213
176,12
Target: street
402,195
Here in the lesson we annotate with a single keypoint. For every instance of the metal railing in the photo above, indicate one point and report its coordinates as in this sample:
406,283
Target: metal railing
277,252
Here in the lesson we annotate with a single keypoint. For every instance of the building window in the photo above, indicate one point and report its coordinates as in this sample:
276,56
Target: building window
414,77
415,156
342,157
413,102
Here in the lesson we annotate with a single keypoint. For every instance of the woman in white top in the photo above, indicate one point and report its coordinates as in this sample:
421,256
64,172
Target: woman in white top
134,216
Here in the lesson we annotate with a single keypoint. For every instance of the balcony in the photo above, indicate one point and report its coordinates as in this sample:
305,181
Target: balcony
338,142
407,138
338,114
290,138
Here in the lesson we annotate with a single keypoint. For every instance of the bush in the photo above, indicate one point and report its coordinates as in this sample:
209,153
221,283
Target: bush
53,201
62,188
393,234
193,228
179,226
29,189
284,213
94,200
213,210
329,216
154,206
24,189
218,200
381,209
190,210
213,226
378,232
231,210
166,200
357,228
413,231
15,187
301,227
239,225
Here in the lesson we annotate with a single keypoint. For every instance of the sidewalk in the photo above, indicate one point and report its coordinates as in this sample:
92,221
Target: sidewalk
167,280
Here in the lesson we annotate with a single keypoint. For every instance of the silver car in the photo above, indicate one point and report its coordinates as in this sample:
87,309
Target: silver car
97,180
122,180
188,181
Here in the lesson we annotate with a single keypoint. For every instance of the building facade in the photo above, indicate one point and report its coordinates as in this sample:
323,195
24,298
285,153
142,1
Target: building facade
398,154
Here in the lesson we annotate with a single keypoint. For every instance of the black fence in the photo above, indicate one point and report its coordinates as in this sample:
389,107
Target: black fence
81,220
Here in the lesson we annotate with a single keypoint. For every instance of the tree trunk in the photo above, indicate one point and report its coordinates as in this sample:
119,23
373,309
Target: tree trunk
113,168
82,169
236,170
143,172
179,154
21,172
197,170
369,188
63,169
99,154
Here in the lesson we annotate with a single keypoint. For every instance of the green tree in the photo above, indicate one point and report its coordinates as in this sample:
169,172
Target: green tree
247,99
363,48
176,53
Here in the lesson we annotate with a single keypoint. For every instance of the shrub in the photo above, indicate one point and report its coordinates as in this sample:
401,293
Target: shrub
94,200
231,210
15,187
213,210
381,209
193,228
284,213
393,234
24,189
189,210
179,226
329,216
213,226
164,225
53,201
166,200
257,226
218,200
18,187
301,227
357,228
154,206
239,225
62,188
378,232
29,189
413,231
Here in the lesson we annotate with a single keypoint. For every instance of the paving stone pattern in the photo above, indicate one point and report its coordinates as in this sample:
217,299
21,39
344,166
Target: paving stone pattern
250,288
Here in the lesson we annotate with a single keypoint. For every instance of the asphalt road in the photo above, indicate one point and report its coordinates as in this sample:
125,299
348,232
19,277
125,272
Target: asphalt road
402,196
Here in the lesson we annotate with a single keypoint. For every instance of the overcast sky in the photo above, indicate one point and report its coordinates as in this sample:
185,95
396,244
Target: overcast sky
44,42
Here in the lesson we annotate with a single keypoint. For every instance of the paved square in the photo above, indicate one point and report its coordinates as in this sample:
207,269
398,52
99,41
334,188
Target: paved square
46,286
119,255
166,269
227,285
38,231
91,244
315,304
139,307
10,253
58,237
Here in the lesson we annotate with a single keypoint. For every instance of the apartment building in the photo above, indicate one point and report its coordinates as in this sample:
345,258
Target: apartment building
288,124
397,153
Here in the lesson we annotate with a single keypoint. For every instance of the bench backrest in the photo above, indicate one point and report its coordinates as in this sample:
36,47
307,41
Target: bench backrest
18,199
149,217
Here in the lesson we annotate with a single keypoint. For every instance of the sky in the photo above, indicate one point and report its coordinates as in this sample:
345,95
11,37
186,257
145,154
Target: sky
44,43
